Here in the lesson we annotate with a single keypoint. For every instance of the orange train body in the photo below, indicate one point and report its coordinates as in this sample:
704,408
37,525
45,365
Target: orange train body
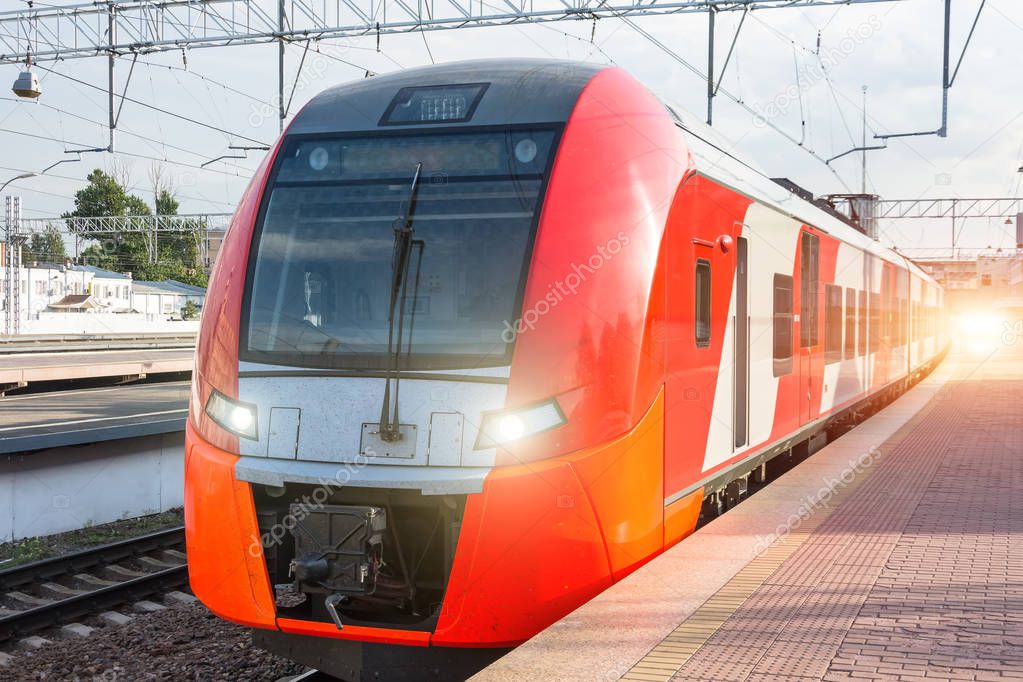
673,321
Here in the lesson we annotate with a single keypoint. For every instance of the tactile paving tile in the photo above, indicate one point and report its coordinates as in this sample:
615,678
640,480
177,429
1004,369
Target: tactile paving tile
912,569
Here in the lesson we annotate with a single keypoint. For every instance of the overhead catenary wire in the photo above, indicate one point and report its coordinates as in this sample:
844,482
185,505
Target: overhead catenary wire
760,117
131,154
182,117
134,188
122,130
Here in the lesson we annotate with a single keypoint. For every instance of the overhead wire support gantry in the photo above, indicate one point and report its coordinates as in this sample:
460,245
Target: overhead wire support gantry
141,26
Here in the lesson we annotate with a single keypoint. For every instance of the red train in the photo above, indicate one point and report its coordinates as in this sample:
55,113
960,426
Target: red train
485,337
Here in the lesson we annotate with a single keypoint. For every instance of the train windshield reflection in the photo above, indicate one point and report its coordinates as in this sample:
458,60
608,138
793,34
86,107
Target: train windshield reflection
321,279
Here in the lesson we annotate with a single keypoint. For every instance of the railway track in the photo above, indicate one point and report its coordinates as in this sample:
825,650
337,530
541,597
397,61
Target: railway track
66,589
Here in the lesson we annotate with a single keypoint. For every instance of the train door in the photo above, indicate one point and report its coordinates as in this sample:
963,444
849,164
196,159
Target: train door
866,332
811,360
740,374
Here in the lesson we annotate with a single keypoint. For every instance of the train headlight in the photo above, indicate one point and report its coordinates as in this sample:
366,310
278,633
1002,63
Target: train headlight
506,426
235,416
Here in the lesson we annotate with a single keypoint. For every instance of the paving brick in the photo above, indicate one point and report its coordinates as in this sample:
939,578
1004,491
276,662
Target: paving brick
913,571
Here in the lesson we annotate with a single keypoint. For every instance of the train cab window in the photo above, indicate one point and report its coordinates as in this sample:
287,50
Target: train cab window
322,267
833,323
702,311
809,272
850,323
861,339
782,325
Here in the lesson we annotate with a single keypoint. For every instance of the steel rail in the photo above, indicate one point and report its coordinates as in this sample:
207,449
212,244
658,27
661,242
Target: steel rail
71,608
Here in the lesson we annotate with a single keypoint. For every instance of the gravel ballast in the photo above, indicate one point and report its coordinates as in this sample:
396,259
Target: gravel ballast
181,642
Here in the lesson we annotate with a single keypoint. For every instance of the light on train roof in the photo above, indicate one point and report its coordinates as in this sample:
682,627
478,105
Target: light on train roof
434,104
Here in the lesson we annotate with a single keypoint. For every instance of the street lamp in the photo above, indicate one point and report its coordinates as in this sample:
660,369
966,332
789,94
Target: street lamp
27,83
17,177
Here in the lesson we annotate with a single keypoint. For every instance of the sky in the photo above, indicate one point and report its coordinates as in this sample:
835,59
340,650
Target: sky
810,97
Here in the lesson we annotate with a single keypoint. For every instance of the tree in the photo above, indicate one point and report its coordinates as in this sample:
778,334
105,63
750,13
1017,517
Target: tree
190,310
166,204
102,196
45,247
177,253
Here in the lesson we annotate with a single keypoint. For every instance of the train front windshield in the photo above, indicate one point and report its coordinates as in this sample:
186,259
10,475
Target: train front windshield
321,283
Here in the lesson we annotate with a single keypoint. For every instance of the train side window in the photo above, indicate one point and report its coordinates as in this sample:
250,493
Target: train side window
899,328
782,325
850,324
861,345
702,325
875,322
809,273
904,329
832,323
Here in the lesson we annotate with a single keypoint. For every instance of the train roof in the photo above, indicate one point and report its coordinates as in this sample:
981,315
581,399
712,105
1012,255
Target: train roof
519,91
531,91
715,157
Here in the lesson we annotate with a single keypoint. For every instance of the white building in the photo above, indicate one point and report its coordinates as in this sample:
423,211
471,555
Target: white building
43,287
54,298
165,298
111,290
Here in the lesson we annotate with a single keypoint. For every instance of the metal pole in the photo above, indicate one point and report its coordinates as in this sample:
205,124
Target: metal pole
711,12
8,266
953,228
280,66
943,132
111,28
864,176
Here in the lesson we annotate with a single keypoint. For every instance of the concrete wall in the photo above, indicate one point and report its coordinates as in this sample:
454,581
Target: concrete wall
68,488
101,323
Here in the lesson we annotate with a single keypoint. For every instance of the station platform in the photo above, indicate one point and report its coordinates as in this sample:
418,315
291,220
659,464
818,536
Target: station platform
48,420
894,553
18,369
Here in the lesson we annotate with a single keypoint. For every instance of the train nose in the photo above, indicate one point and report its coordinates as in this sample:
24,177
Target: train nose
337,420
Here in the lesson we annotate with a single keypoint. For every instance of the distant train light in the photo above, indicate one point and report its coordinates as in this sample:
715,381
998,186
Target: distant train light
506,426
980,324
235,416
27,85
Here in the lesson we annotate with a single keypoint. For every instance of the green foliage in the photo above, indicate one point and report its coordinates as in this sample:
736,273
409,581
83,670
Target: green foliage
102,196
23,552
190,310
166,204
45,247
33,549
177,254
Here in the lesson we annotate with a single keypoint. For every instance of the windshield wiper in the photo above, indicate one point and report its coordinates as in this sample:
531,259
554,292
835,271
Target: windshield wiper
390,426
